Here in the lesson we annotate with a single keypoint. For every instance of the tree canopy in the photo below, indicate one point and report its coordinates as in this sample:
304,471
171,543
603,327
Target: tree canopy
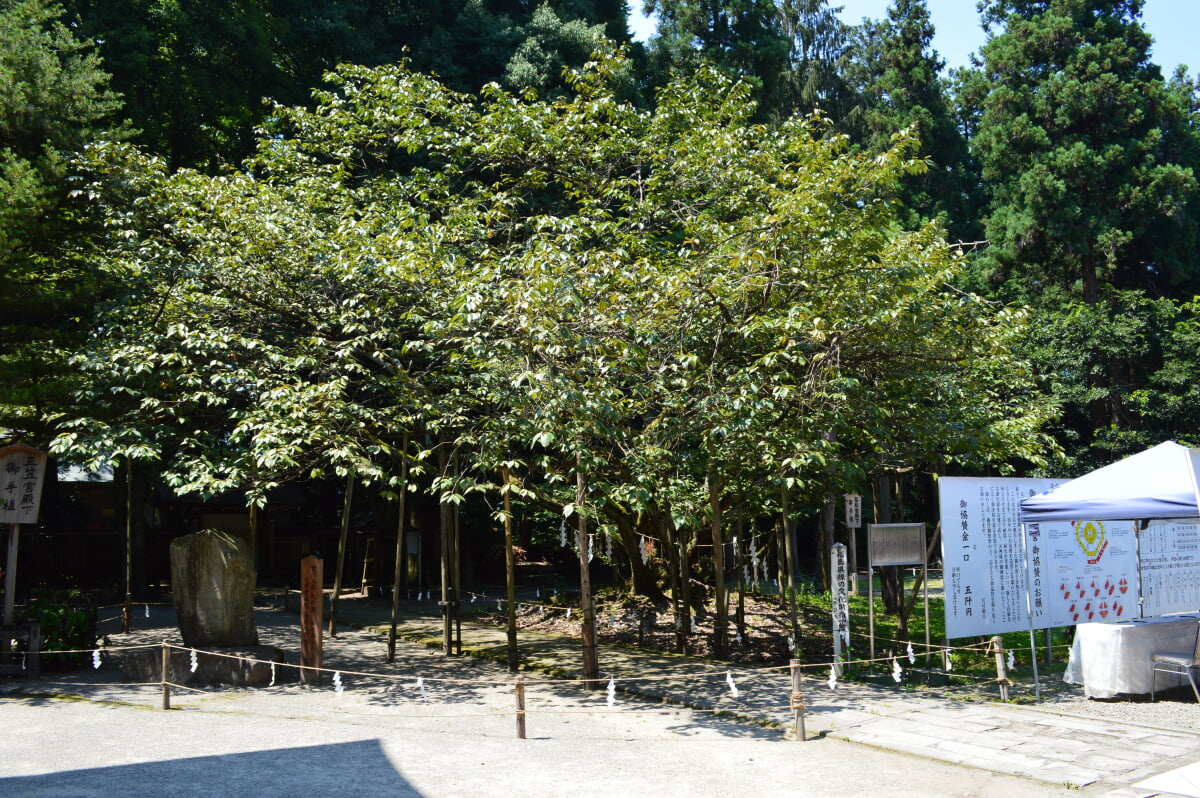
659,299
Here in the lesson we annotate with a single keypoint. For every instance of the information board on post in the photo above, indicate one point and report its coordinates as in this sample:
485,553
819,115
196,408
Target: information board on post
22,474
853,510
840,598
986,583
1082,572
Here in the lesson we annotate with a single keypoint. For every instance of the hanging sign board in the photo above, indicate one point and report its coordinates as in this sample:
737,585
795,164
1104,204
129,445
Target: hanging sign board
1171,566
22,474
853,510
894,544
1081,572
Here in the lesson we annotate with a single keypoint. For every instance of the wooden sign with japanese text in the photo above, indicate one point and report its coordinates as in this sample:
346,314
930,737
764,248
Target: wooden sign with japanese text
311,605
22,474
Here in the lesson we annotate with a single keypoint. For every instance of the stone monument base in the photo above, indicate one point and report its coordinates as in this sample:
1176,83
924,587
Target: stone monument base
232,666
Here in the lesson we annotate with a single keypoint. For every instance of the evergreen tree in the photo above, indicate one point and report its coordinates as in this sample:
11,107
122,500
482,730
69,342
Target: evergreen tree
817,58
196,73
903,89
792,51
54,98
1092,203
741,38
1070,141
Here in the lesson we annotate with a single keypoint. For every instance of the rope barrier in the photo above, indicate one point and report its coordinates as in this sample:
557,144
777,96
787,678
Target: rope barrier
719,671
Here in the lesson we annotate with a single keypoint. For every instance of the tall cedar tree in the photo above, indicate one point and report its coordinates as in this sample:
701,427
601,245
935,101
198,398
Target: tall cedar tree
1091,209
54,99
792,51
903,89
1071,144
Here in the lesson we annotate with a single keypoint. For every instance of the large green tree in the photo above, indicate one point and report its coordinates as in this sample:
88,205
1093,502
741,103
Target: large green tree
54,99
1070,141
196,74
900,80
1090,197
643,316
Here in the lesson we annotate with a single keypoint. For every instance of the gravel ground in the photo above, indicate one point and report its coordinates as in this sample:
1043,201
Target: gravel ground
1172,709
383,738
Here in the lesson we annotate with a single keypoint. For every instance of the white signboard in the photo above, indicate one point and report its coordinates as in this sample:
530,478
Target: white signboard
22,472
841,597
1171,566
1082,571
983,557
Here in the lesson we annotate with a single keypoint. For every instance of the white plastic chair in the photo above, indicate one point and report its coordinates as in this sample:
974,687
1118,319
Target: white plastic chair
1178,664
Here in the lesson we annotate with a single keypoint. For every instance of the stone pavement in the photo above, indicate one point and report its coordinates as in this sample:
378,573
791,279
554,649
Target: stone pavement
1107,757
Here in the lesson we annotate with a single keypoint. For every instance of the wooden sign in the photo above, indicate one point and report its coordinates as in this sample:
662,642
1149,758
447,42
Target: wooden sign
853,510
22,474
312,584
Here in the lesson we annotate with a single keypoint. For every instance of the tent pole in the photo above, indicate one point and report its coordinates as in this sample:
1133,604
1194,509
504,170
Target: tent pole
1037,682
1137,537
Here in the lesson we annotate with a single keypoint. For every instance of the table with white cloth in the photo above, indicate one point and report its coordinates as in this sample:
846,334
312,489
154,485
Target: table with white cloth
1112,658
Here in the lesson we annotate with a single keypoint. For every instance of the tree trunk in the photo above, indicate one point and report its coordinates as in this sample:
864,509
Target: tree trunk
891,588
828,514
591,668
789,534
341,556
675,574
740,554
510,574
401,565
720,633
642,577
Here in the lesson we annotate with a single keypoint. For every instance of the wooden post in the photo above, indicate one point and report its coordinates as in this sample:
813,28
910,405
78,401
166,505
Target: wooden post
341,556
33,662
797,699
444,524
456,564
400,564
166,675
10,574
127,610
311,581
1001,667
520,688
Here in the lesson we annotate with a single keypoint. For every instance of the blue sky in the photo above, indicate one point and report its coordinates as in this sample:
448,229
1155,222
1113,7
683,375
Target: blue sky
1174,24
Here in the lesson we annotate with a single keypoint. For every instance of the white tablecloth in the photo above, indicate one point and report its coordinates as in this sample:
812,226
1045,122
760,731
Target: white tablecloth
1112,658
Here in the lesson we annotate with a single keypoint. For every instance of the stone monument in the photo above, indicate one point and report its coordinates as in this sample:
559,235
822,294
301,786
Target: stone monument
212,581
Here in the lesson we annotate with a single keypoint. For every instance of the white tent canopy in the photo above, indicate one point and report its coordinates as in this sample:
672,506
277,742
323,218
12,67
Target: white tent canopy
1154,484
